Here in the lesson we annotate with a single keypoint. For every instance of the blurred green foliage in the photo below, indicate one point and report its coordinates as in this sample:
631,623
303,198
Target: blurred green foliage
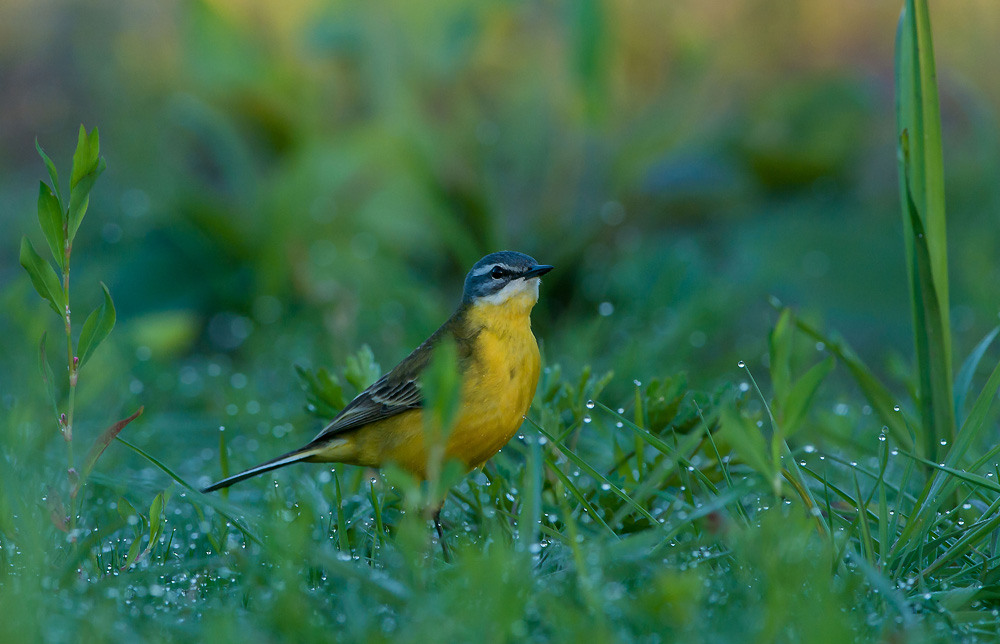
288,182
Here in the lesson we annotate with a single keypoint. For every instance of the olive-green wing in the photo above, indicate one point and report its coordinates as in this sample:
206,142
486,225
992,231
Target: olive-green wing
385,398
399,390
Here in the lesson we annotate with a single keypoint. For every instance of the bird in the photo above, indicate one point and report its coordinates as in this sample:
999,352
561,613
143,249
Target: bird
498,363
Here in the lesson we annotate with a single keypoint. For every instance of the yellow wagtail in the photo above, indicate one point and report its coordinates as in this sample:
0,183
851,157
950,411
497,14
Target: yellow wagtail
498,363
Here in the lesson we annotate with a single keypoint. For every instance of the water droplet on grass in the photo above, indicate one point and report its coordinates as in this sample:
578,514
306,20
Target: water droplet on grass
591,404
741,364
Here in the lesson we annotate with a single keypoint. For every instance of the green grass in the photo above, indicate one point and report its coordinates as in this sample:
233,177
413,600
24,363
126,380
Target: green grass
803,500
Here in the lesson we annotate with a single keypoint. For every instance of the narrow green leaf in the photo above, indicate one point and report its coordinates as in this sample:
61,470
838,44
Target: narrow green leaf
780,347
53,174
47,376
921,186
747,442
964,380
797,402
79,199
85,156
97,327
933,356
155,519
50,219
125,509
975,424
867,543
961,475
133,552
43,277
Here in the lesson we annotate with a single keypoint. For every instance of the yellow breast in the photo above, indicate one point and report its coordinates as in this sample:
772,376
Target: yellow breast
498,384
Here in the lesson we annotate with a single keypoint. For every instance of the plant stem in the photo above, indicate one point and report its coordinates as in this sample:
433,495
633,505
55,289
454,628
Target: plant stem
68,426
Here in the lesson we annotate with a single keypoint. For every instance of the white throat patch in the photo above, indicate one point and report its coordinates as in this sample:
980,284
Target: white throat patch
515,288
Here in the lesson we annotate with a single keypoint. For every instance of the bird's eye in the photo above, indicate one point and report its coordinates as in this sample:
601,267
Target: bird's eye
497,273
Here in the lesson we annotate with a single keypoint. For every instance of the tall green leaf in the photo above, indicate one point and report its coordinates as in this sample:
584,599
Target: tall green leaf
43,277
921,186
53,174
964,380
50,220
935,395
96,327
87,166
799,398
780,349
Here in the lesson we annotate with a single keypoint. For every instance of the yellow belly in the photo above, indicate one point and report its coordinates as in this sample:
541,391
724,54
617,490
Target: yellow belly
498,385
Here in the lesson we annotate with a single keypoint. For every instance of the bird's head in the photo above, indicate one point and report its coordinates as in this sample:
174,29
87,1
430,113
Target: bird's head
504,278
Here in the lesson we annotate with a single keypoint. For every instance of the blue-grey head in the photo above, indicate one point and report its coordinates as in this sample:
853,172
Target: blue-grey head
500,276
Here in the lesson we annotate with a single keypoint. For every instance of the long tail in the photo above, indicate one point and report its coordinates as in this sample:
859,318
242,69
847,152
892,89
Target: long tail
300,454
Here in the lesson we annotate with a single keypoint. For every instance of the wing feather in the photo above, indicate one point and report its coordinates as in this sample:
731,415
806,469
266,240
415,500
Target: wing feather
399,390
383,399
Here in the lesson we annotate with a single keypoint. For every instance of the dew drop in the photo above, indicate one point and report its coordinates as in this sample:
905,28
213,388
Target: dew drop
741,364
591,404
587,418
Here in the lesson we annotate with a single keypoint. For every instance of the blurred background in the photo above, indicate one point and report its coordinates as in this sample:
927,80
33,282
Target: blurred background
287,181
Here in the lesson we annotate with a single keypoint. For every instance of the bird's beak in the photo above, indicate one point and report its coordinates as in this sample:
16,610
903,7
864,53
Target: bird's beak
536,271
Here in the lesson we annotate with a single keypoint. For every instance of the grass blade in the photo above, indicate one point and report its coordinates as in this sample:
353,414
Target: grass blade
964,380
204,498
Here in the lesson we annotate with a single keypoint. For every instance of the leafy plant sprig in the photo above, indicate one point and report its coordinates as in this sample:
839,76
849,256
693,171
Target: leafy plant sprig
60,220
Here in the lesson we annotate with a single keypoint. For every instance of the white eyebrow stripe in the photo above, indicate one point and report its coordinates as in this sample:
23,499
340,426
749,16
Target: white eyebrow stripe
486,269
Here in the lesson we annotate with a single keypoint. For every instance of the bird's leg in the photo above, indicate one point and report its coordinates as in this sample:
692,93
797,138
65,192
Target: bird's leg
437,524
